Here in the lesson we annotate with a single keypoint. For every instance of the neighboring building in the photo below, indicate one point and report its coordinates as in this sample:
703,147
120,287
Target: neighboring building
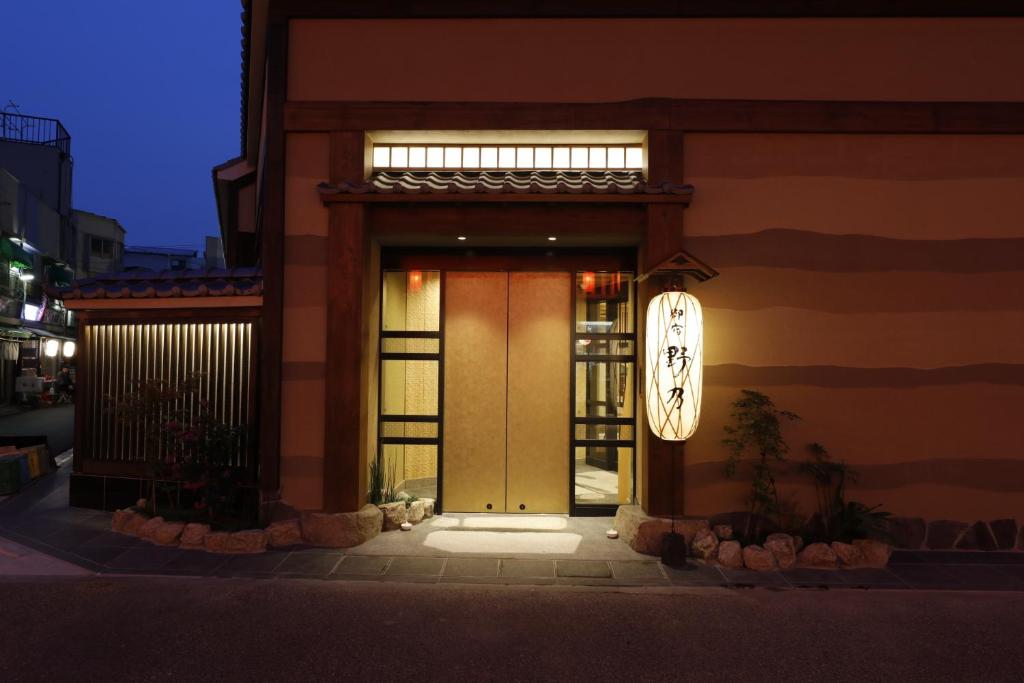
458,248
100,247
36,249
160,259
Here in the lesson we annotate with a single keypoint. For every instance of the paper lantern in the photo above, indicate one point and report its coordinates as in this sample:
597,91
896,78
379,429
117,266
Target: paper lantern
69,349
51,347
675,357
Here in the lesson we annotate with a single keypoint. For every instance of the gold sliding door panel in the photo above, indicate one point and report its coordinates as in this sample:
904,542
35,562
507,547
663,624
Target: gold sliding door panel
475,366
538,392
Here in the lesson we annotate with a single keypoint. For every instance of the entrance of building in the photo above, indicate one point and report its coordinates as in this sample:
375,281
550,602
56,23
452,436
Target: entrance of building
506,389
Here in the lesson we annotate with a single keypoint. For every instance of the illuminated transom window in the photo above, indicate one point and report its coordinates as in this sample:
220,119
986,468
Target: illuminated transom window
526,157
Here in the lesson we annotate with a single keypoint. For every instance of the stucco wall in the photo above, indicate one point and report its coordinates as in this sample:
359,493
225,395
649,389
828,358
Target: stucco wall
868,283
552,60
304,342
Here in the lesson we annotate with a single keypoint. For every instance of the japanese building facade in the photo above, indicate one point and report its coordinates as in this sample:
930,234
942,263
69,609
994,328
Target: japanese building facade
855,183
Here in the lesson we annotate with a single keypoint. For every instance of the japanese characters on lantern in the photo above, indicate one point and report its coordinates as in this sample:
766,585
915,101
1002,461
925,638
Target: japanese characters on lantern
675,356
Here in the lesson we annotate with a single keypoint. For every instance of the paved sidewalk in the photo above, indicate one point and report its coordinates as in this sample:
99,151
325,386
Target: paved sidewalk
39,519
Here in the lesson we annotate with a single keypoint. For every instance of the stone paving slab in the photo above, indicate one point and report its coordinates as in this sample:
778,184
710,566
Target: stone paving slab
361,565
462,567
515,568
591,569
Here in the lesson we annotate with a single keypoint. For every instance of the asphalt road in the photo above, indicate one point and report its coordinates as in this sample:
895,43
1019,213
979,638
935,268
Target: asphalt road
157,629
57,423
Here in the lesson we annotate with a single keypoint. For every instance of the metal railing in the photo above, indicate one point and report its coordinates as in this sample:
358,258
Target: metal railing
34,130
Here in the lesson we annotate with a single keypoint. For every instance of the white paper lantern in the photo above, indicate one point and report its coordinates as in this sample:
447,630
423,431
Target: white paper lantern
675,358
69,349
51,347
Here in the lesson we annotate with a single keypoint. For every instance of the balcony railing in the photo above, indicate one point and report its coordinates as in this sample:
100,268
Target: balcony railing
34,130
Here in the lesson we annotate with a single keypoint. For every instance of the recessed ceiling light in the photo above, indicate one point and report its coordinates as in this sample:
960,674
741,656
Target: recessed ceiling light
461,238
552,238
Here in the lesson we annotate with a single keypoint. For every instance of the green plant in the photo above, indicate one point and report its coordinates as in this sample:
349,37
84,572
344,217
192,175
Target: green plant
190,453
410,499
757,426
839,519
382,481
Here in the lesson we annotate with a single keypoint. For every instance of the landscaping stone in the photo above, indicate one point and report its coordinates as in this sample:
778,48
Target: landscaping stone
723,532
817,556
141,503
783,549
1005,532
395,515
705,544
402,495
133,525
428,507
644,533
759,559
730,554
907,532
148,529
120,518
216,541
944,533
875,554
194,535
414,513
284,534
343,529
849,555
977,537
249,541
168,533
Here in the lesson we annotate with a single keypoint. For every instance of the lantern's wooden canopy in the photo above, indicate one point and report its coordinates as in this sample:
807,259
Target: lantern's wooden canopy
682,263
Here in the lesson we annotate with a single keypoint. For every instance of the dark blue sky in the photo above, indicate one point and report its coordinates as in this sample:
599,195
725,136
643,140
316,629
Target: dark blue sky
149,92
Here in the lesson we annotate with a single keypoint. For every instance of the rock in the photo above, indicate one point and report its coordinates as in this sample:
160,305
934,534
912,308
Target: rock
149,528
723,532
817,556
216,541
849,555
977,537
168,533
943,534
249,541
284,533
759,559
798,544
907,532
133,525
875,553
342,529
744,523
395,515
141,503
194,535
705,545
730,554
415,512
644,533
428,507
119,519
1005,532
781,546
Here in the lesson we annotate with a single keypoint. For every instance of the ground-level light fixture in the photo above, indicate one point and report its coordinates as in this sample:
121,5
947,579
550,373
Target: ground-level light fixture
51,347
461,238
552,238
69,349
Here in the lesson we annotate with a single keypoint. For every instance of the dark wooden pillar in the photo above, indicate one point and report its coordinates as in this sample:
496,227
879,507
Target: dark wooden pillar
347,245
663,460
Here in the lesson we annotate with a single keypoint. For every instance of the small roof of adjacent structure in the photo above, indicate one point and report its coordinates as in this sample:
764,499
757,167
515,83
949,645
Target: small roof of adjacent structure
166,284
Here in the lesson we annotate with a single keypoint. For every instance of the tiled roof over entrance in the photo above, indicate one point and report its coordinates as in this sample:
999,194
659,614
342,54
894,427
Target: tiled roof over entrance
508,182
166,284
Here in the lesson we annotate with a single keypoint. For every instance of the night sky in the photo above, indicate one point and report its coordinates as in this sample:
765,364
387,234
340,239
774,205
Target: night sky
149,92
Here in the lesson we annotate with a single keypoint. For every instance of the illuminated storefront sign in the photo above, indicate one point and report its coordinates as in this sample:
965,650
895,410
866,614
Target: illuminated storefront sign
675,357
